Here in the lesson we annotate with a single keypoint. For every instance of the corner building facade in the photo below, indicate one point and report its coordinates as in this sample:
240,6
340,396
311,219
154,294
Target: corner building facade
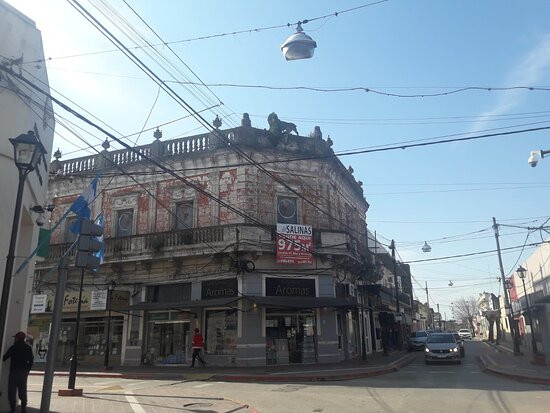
178,259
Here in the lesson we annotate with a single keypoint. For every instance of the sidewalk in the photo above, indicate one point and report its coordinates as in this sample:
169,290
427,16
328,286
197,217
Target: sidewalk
374,365
502,361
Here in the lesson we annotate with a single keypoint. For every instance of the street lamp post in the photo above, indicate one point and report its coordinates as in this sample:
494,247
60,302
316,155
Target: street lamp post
112,286
397,307
521,272
27,153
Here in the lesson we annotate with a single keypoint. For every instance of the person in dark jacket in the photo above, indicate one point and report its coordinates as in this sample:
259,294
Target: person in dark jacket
22,358
198,344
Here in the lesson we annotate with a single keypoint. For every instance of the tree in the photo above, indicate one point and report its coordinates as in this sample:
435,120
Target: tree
465,308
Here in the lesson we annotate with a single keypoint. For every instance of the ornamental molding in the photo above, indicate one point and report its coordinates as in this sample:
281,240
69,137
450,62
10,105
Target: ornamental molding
126,201
181,194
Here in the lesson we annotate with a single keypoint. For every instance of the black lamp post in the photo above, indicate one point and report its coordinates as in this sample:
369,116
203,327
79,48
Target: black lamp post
514,326
27,151
521,272
112,286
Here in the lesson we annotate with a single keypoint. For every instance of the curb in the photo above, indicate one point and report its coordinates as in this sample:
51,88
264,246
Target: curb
487,367
385,369
389,368
499,347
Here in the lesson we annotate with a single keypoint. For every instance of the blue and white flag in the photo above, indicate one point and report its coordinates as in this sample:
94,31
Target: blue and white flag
81,206
100,220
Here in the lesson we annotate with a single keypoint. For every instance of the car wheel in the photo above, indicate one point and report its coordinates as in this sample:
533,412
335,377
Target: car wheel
459,362
427,362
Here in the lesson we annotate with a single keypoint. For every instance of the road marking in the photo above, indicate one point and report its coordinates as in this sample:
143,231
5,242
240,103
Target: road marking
203,385
104,383
136,407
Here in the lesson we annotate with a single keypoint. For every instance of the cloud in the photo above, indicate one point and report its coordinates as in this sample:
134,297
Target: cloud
527,73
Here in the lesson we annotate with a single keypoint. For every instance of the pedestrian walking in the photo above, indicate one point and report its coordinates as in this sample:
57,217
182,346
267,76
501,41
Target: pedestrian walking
21,357
198,345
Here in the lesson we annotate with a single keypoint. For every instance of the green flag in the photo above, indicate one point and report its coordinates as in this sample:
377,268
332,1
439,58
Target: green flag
43,249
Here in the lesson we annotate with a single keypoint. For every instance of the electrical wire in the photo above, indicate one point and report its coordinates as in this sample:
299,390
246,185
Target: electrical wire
100,27
213,36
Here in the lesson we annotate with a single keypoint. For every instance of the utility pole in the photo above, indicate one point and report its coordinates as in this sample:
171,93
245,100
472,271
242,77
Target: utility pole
54,336
397,308
428,302
439,318
507,305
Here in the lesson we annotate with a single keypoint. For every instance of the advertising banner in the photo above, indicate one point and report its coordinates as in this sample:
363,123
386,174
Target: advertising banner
294,244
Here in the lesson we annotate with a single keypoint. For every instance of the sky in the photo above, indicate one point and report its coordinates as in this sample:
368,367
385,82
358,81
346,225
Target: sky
444,194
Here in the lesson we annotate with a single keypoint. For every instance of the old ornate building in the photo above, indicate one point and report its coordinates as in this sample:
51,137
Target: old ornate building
267,268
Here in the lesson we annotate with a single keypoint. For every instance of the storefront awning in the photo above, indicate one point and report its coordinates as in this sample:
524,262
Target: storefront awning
185,305
302,302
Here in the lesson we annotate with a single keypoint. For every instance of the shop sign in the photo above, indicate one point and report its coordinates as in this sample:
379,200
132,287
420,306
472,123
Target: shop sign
294,244
98,300
289,287
91,301
39,303
227,287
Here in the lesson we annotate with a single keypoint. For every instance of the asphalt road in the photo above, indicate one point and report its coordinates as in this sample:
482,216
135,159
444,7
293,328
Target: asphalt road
415,388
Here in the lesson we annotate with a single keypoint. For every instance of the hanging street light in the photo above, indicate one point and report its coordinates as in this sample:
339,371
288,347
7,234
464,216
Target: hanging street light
299,46
426,247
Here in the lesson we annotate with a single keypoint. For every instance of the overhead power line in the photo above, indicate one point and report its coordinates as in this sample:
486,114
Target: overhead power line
534,244
218,35
446,91
382,92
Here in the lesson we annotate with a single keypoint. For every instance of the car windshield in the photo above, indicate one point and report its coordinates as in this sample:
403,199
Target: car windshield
464,331
441,338
421,334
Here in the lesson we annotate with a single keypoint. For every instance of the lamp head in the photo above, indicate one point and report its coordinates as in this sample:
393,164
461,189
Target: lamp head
27,151
521,272
426,247
298,46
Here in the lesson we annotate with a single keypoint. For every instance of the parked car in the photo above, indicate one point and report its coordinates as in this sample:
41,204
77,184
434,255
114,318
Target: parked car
417,340
460,342
441,347
465,333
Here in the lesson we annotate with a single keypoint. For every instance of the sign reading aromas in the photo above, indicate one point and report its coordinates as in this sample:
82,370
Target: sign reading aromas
289,287
227,287
294,244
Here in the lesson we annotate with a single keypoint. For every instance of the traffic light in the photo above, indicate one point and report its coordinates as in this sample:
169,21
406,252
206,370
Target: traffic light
88,245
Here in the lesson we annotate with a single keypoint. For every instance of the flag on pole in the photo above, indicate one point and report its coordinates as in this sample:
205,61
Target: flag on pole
81,206
100,220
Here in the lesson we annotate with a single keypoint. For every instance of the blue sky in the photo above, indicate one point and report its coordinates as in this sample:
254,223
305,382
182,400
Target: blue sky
405,47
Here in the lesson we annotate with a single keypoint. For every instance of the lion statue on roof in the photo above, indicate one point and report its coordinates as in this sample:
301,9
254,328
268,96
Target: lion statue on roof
278,127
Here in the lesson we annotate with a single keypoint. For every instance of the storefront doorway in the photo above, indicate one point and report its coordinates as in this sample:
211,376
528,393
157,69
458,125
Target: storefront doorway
166,338
291,337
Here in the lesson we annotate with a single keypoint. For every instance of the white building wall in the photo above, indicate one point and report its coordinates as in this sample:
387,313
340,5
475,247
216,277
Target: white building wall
19,38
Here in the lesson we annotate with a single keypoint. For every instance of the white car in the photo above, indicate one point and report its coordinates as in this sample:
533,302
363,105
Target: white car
464,333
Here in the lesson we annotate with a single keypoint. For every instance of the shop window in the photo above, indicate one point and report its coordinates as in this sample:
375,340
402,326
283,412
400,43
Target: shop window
287,210
69,236
221,332
124,222
184,215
